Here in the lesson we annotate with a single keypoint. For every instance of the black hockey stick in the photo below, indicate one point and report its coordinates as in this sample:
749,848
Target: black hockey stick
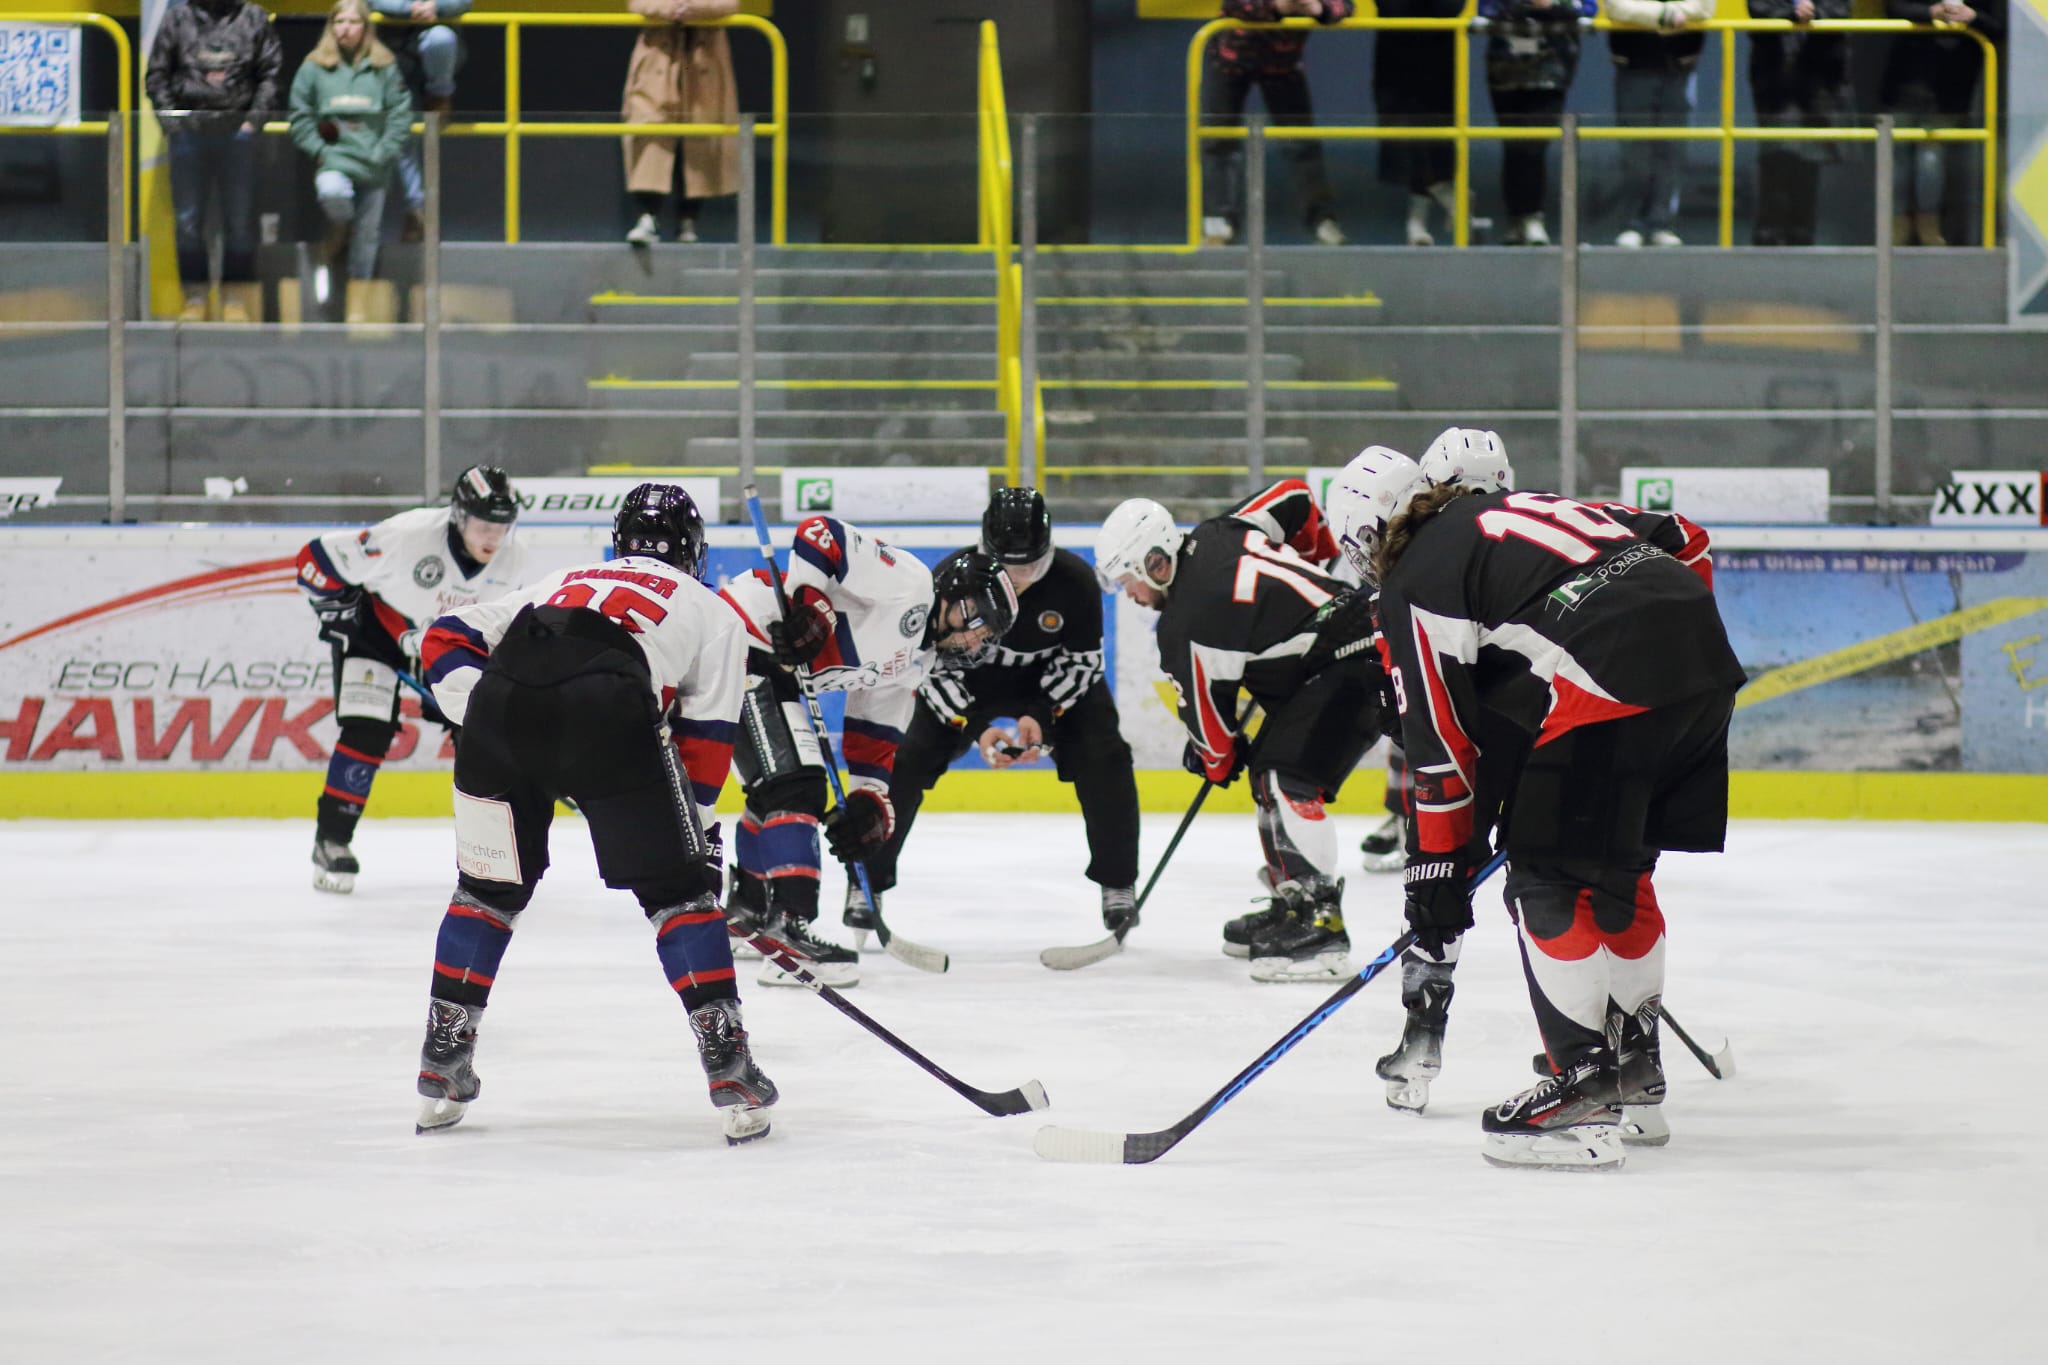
902,949
1087,954
1720,1065
1055,1143
1022,1100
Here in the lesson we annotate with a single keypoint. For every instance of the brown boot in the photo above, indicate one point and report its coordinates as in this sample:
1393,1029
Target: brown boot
1902,229
1928,228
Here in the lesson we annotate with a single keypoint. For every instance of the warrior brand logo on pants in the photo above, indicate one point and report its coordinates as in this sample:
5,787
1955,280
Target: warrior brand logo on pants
814,495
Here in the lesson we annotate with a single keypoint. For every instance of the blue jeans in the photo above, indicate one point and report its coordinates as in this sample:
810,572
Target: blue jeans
201,159
429,64
1651,170
361,205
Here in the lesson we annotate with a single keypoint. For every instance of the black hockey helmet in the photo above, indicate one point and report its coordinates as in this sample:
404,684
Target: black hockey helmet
1016,528
661,521
483,492
977,582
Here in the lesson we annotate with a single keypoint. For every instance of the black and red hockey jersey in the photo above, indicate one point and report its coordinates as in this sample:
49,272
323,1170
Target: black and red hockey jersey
1551,614
1241,612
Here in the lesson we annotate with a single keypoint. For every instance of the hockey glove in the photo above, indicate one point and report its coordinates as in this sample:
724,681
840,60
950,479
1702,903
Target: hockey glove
1224,772
1439,905
802,635
859,825
1344,628
340,616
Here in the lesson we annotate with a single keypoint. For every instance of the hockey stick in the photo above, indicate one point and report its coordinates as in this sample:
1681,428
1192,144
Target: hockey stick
1022,1100
902,949
1055,1143
1720,1065
1087,954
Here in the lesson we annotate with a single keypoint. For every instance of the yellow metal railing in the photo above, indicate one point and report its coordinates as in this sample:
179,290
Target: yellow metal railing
124,97
1462,132
995,186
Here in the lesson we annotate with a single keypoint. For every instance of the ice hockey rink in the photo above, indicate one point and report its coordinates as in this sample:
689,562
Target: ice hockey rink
206,1110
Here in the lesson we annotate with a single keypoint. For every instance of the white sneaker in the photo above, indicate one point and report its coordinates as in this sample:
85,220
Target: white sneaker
1328,233
1666,237
646,232
1630,238
686,230
1533,231
1217,232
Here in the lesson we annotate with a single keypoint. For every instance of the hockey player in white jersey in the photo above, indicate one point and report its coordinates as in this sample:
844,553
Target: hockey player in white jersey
863,618
617,685
374,592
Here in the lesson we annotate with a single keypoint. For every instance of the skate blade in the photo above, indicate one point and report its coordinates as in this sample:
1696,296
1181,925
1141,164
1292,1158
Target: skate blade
1237,950
743,1123
1643,1125
1588,1147
1408,1097
437,1112
1384,862
860,939
743,951
337,883
838,975
1324,967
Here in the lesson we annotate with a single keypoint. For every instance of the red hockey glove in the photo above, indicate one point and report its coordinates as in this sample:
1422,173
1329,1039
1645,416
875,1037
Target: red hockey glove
859,825
802,635
1439,905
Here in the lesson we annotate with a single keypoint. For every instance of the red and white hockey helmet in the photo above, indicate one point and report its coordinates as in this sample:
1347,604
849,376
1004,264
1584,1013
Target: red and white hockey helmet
1139,540
1470,457
1371,491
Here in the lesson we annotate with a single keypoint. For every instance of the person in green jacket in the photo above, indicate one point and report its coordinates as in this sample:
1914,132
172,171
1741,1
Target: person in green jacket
350,113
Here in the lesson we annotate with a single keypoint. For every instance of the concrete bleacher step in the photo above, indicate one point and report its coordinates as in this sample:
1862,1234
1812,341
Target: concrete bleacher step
851,450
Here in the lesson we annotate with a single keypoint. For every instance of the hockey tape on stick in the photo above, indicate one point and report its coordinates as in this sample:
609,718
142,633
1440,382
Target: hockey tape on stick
1720,1065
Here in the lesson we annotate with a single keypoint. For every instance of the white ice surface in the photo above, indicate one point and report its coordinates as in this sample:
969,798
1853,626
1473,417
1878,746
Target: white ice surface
206,1103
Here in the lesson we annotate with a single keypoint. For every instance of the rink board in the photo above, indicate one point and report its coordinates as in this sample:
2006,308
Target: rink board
175,671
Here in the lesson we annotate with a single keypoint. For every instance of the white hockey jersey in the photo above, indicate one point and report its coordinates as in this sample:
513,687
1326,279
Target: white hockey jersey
877,654
695,648
409,568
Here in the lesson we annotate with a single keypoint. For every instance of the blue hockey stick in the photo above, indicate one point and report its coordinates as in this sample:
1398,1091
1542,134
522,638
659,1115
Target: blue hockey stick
902,949
1055,1143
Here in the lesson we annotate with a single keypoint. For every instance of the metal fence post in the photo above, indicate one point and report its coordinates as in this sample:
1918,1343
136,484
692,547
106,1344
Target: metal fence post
1568,311
1027,303
430,289
747,292
117,323
1255,300
1881,400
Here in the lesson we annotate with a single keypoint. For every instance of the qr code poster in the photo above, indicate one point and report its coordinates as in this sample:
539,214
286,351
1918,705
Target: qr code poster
38,74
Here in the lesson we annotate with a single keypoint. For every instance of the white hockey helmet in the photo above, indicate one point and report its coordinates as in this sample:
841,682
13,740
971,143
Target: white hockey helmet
1139,539
1371,491
1470,457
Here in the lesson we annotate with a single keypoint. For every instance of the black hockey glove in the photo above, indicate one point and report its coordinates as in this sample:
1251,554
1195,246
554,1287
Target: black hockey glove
802,635
340,616
1344,628
1439,905
1223,774
859,825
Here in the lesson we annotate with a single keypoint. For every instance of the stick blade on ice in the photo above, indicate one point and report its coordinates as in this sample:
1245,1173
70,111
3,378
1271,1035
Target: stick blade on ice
1083,955
1079,1145
916,954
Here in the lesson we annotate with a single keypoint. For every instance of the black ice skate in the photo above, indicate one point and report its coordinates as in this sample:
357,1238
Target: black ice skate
1426,992
738,1088
448,1077
835,966
334,867
745,914
1386,849
1566,1122
1120,910
1309,943
1641,1071
1239,933
856,916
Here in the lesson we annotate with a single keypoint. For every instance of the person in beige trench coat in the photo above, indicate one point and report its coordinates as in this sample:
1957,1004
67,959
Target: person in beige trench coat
680,74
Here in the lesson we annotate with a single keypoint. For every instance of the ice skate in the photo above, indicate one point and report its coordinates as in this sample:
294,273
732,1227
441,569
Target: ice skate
448,1077
835,966
1417,1060
740,1090
1239,933
1386,848
1309,943
334,867
1641,1080
1120,908
857,916
1566,1122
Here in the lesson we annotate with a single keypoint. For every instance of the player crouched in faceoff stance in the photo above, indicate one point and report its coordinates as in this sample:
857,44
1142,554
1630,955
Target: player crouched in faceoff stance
616,685
374,593
864,618
1610,658
1242,605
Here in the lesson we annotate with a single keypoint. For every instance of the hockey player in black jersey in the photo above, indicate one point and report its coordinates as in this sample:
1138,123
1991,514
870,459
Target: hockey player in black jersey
1046,672
1607,657
1244,607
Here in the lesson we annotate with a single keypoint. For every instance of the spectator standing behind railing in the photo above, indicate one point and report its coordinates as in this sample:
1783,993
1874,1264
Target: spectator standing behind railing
1413,85
1239,59
429,54
1931,82
350,113
1532,53
212,75
1655,67
1797,80
680,74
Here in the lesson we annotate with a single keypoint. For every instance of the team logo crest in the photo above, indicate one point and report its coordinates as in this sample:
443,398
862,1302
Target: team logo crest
1050,622
429,571
912,624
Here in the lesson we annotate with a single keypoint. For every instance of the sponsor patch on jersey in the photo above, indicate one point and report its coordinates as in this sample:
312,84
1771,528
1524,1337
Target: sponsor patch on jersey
429,571
1050,622
912,624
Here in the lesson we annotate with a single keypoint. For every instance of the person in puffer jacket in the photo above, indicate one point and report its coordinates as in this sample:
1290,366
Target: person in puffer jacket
350,113
1532,53
213,76
1655,62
